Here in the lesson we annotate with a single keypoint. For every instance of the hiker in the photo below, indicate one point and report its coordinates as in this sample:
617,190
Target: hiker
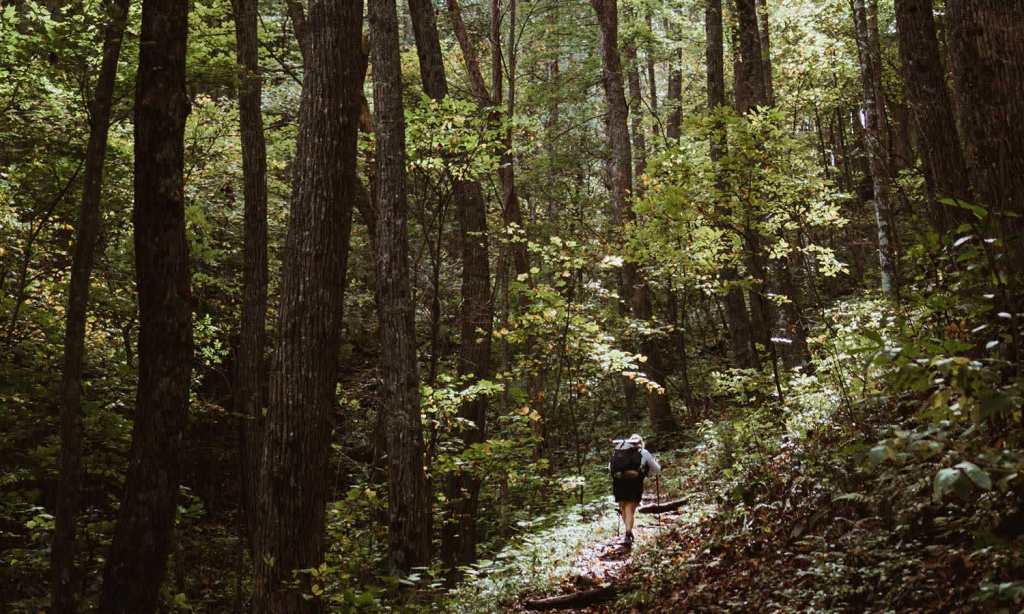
630,464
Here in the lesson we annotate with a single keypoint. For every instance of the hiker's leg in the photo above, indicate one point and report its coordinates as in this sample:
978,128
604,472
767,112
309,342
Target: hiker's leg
628,514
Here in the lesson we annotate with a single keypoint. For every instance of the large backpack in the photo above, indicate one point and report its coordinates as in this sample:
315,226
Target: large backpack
627,461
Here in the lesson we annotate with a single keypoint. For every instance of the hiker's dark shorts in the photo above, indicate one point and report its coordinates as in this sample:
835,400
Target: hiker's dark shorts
628,489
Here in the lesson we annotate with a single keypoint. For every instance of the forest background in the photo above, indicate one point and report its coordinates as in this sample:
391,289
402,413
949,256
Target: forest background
301,309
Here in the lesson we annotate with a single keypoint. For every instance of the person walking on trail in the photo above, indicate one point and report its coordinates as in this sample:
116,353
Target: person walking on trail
630,464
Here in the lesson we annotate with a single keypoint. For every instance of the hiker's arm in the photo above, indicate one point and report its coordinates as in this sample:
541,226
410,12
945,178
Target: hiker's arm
653,468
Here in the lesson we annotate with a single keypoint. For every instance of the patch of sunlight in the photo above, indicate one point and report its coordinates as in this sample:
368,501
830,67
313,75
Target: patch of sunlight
537,560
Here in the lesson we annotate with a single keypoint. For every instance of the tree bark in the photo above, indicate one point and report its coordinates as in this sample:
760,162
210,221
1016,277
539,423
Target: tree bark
659,410
865,19
68,486
986,40
764,21
636,109
409,509
929,99
674,98
428,48
458,543
144,530
250,372
476,80
511,212
740,334
652,77
580,599
292,484
750,87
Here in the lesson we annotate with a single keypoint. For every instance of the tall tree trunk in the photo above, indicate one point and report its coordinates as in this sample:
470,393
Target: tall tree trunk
750,87
476,79
674,97
652,77
865,19
512,213
458,544
63,558
409,509
292,484
636,110
764,21
428,48
752,91
928,96
740,334
250,371
986,40
145,524
658,408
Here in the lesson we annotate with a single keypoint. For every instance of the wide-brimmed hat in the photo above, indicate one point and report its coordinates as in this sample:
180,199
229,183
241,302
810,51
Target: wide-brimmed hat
636,440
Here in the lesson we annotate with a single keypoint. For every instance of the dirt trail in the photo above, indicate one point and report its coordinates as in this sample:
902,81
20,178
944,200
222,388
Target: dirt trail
606,563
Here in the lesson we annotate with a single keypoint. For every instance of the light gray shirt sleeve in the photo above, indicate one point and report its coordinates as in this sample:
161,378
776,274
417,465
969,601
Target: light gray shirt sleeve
650,464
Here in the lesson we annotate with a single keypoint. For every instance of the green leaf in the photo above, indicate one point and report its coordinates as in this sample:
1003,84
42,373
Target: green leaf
976,474
947,481
979,212
879,454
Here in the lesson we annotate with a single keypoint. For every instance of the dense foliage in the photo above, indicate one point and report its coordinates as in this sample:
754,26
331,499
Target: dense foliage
867,457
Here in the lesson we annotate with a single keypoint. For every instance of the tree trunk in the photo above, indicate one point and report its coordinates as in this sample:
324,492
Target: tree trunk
409,508
292,484
740,334
476,80
928,96
458,543
865,19
764,21
511,211
986,40
636,110
63,558
658,408
144,530
250,372
652,77
674,97
750,85
751,92
428,48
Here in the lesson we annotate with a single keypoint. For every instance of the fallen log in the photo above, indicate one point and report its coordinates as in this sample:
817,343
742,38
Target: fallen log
656,508
579,599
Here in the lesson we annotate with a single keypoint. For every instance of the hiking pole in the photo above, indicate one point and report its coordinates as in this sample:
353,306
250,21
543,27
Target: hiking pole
657,489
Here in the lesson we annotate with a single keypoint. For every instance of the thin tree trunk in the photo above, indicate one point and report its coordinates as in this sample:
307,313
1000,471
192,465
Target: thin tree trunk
409,509
658,407
740,334
636,103
458,542
68,486
250,372
764,22
476,80
864,12
652,77
674,97
293,470
144,531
